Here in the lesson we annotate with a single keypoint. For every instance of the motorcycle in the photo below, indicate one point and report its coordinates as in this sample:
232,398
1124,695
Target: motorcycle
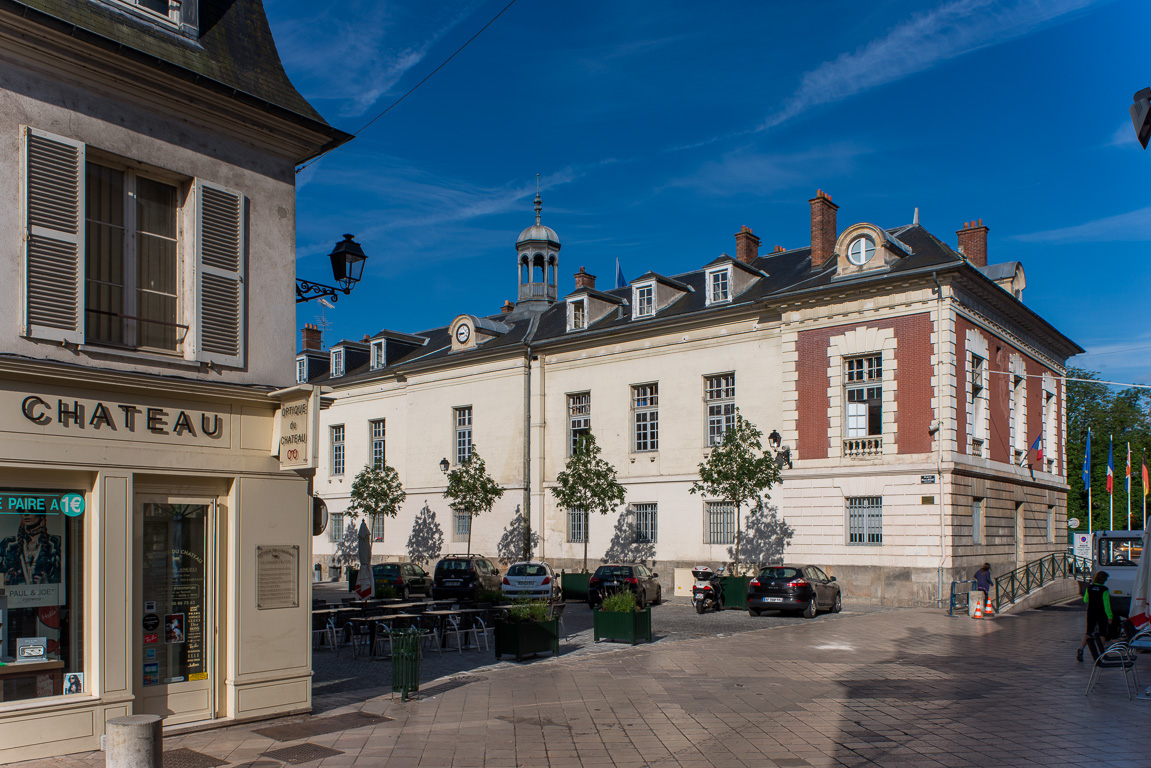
707,591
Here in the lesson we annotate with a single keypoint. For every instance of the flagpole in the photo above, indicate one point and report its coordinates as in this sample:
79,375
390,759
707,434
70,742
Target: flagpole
1087,479
1111,485
1128,486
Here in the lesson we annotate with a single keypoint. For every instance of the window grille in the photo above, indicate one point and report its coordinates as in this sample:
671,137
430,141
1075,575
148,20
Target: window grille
865,520
645,414
377,452
463,418
646,523
463,525
579,418
338,449
720,522
577,525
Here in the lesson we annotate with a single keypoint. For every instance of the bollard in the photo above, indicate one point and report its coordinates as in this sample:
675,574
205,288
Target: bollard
135,741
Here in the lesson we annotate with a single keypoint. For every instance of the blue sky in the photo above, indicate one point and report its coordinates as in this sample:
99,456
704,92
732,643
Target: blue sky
658,129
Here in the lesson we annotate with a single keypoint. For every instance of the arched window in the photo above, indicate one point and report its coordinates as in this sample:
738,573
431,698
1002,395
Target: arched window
552,270
524,272
538,268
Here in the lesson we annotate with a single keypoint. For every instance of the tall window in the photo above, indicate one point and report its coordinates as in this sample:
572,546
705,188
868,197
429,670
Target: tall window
646,523
1018,416
378,358
377,527
645,300
1050,412
463,525
645,415
720,394
578,315
579,419
133,260
720,522
577,525
336,527
1050,523
977,394
463,418
338,449
864,377
864,520
977,521
302,370
718,282
377,452
337,362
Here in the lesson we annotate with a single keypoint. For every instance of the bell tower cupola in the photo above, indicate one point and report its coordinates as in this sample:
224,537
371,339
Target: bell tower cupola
537,263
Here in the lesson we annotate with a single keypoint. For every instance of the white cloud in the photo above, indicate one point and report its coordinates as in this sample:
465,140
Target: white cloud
922,42
746,170
1130,227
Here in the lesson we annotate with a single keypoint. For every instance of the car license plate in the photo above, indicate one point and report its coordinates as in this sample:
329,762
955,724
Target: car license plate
773,599
451,582
611,583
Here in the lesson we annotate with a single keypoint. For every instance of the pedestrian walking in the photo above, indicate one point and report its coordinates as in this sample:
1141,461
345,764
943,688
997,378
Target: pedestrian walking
1099,615
983,579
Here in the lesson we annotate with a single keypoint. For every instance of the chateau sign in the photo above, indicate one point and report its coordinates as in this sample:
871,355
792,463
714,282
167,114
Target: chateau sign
298,422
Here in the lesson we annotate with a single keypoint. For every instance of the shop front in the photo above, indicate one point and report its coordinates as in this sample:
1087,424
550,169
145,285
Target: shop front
152,558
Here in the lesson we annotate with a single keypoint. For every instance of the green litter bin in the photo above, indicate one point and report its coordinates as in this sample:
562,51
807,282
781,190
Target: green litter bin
406,662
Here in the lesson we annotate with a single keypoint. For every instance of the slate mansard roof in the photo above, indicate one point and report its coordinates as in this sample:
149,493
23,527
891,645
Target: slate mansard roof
784,274
233,51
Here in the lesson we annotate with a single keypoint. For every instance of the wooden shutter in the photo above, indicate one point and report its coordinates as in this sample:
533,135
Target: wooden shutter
221,297
53,237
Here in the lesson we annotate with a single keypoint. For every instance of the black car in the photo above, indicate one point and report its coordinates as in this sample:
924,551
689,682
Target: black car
616,577
405,578
803,588
464,577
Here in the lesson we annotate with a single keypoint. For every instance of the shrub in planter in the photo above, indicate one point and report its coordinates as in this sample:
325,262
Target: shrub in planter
385,591
617,619
527,630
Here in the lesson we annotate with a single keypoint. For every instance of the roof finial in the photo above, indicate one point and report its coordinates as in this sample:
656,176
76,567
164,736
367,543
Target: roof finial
539,201
915,221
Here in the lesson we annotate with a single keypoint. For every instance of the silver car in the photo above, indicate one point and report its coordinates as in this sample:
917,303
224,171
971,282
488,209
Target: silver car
530,580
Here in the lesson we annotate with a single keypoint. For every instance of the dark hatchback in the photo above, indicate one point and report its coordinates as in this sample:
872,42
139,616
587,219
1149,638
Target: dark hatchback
405,578
464,577
803,588
616,577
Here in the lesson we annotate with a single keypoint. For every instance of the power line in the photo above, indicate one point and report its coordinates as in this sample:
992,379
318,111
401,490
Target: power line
417,85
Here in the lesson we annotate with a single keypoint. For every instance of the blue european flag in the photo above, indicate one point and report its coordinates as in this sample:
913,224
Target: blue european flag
1087,463
620,280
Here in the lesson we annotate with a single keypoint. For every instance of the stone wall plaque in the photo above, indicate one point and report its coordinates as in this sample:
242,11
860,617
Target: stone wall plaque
277,576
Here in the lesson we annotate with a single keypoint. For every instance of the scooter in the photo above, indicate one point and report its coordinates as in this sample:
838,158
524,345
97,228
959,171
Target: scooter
707,591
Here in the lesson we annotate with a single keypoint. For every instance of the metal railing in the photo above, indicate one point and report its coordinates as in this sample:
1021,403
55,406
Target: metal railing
1027,578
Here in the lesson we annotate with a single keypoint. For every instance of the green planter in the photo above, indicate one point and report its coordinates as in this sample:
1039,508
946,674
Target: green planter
522,638
574,586
625,627
353,575
735,591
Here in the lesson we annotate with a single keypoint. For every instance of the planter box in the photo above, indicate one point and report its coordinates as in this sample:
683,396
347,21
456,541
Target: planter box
628,627
735,591
527,637
574,586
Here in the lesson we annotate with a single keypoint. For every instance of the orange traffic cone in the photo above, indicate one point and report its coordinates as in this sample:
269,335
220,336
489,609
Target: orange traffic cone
988,611
978,609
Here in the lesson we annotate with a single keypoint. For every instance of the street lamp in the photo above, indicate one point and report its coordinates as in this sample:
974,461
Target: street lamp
347,267
774,439
1141,115
444,466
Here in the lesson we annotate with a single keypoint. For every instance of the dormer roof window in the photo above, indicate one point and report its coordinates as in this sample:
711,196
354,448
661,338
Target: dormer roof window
861,250
652,293
577,314
379,358
337,362
181,14
718,285
301,370
643,299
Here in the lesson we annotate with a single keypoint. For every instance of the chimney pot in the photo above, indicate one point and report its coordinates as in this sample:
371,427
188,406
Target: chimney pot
779,249
583,279
507,307
746,245
823,229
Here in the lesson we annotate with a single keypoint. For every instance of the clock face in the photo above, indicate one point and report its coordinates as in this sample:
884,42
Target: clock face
463,333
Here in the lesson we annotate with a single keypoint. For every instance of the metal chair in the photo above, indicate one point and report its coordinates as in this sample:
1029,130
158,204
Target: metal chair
457,628
557,612
323,628
1118,655
361,632
383,635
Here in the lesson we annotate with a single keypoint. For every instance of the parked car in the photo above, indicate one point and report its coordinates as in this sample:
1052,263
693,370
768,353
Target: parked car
405,578
464,577
615,577
803,588
531,580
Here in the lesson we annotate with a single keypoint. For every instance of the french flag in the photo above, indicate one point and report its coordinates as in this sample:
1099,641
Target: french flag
1036,446
1110,466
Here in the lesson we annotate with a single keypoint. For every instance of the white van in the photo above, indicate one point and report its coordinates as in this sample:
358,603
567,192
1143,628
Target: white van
1117,552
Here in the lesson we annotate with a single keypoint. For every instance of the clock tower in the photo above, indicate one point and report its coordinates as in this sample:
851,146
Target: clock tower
537,262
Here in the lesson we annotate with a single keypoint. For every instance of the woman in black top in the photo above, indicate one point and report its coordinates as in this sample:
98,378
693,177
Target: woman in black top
1098,599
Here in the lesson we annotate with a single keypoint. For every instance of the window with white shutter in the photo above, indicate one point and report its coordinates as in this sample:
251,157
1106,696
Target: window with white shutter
54,243
221,301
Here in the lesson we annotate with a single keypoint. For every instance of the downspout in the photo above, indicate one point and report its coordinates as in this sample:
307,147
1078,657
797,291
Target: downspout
527,501
939,431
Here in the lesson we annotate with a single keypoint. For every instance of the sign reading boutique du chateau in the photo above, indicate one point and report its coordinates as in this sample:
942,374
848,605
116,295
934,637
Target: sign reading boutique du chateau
75,413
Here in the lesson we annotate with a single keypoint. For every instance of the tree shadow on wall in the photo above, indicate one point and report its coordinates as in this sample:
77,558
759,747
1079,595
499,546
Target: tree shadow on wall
765,536
348,547
510,548
625,546
427,539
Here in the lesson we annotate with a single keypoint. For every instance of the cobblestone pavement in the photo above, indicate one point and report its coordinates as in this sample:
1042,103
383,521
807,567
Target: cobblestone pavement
864,688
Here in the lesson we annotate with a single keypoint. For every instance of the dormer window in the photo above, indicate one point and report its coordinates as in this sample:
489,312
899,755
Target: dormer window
861,250
719,286
181,13
577,315
337,362
378,358
301,370
644,300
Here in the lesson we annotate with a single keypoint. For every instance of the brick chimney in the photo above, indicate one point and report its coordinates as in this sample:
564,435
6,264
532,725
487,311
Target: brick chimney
973,242
746,245
823,229
310,337
508,307
584,280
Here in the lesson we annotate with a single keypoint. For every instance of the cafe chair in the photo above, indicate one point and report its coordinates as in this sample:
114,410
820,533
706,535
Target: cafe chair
1118,655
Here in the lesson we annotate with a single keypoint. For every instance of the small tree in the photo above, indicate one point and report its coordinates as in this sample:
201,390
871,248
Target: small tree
376,491
738,471
588,483
471,489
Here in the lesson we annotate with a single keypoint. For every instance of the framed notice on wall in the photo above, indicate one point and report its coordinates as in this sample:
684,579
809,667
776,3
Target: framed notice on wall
277,576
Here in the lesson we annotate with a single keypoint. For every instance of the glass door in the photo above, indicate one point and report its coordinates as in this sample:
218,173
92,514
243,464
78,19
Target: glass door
175,609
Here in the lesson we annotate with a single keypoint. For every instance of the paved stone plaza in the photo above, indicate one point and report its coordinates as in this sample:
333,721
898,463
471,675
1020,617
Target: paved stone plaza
886,688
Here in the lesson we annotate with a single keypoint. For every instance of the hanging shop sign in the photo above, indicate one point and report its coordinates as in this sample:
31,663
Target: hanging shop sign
297,424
